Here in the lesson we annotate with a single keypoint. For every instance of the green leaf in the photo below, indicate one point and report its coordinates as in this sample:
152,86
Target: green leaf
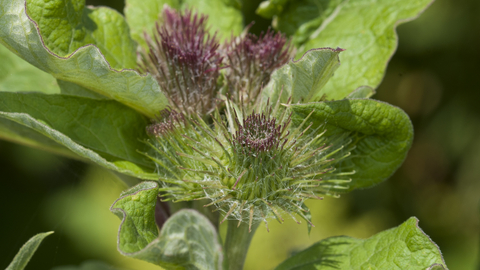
299,18
303,80
362,92
73,89
403,247
187,240
381,134
89,265
67,25
18,133
366,30
18,75
103,131
26,252
224,17
86,66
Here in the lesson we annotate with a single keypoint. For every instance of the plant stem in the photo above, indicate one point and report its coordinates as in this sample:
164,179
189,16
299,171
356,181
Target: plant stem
236,244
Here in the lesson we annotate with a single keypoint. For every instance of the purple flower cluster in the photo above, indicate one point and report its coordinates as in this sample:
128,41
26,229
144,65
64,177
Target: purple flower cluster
187,62
252,59
258,133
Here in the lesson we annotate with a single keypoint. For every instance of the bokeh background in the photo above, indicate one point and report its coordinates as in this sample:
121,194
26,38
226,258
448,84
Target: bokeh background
434,76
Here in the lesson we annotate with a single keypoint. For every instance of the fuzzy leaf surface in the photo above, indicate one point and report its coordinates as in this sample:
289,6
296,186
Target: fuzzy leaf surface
366,30
224,16
67,25
103,131
381,133
403,247
304,79
86,66
187,239
18,75
26,252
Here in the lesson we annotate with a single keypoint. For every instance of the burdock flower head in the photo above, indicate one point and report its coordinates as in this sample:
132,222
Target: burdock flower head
249,165
218,141
185,60
197,73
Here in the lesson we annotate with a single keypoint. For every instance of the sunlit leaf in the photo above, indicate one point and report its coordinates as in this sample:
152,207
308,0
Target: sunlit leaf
304,79
86,66
403,247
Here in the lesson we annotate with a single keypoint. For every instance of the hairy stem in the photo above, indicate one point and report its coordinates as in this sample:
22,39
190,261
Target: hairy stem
236,244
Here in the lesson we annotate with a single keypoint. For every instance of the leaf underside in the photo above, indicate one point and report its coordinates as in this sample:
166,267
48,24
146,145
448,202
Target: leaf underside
103,131
381,135
187,239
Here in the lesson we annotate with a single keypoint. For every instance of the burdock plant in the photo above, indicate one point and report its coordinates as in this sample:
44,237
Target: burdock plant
214,123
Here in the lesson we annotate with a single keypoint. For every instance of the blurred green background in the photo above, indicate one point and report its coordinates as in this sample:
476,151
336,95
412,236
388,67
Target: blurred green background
434,77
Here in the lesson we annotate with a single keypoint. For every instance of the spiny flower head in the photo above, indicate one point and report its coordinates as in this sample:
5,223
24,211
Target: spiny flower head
252,59
257,134
185,60
252,165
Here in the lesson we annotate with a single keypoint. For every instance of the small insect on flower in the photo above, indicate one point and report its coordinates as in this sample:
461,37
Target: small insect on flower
251,166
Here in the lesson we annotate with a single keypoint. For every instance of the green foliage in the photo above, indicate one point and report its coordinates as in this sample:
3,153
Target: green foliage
381,133
103,109
403,247
142,15
102,131
364,29
186,241
18,75
68,25
304,79
86,67
26,252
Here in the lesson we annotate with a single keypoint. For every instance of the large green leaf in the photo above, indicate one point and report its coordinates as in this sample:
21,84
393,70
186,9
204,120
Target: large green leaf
403,247
103,131
187,239
67,25
381,134
26,252
224,17
303,80
365,28
86,66
18,75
